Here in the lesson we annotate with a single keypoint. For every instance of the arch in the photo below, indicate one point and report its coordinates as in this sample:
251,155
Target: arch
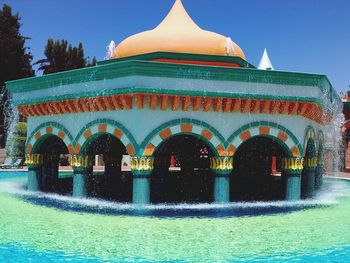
182,170
276,132
310,134
257,170
183,126
105,126
47,129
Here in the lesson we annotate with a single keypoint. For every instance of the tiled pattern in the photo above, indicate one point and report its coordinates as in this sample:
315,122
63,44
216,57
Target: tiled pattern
49,128
268,129
184,126
105,126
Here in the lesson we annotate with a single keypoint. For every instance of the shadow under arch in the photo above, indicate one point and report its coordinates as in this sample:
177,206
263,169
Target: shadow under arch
109,181
257,169
55,153
182,171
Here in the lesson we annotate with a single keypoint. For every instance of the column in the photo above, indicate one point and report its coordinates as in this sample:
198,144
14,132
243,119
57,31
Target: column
319,174
222,168
34,163
308,188
141,168
291,173
82,166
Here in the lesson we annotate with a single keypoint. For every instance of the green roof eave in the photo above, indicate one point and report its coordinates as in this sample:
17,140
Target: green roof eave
160,69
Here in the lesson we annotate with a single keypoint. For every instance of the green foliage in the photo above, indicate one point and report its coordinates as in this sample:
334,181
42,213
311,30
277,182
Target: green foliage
21,129
19,137
61,56
15,60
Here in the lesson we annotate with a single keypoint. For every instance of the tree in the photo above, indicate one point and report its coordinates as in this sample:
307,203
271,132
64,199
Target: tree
60,57
16,150
15,61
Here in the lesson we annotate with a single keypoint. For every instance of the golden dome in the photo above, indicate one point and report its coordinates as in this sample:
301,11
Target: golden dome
180,34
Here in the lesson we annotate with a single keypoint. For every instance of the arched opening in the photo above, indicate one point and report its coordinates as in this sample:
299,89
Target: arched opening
257,171
182,171
55,153
108,180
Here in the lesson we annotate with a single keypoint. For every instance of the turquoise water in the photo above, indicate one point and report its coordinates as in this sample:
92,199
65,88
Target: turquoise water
51,228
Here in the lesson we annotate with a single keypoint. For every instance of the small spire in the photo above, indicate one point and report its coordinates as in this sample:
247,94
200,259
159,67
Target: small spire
265,62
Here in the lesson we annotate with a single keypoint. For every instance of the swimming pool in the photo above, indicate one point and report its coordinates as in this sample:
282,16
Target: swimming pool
50,228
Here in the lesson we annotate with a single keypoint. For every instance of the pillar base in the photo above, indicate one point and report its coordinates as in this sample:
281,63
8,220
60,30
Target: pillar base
34,177
142,168
141,190
309,183
318,177
79,184
292,186
222,189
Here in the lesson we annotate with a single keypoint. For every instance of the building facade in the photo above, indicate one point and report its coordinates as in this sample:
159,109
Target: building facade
199,122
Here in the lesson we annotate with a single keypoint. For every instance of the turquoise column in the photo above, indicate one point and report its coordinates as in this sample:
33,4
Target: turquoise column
308,180
141,168
291,173
82,166
319,174
222,168
34,162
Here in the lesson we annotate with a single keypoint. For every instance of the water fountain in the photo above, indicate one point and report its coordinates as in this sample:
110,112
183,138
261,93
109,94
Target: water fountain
220,152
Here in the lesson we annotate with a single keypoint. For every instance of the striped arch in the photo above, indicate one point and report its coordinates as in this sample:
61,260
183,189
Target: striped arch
46,129
197,128
105,126
275,131
310,134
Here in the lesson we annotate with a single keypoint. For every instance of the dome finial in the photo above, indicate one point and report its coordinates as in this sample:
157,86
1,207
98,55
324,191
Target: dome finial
265,62
177,17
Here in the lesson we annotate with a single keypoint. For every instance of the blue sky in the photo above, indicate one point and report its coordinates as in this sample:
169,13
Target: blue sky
300,35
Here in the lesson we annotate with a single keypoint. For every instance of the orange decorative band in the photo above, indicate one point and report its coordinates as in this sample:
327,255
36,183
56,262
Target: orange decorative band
33,160
165,102
196,62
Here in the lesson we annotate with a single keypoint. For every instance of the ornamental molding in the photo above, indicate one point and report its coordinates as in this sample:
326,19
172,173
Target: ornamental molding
34,160
293,164
142,164
174,102
221,164
77,161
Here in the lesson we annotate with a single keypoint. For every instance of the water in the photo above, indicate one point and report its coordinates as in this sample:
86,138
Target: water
314,231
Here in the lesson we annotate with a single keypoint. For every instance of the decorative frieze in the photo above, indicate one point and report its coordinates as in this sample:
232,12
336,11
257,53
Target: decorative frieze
34,160
216,103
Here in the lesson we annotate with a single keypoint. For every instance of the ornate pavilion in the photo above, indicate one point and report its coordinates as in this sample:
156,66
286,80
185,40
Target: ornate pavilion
198,122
